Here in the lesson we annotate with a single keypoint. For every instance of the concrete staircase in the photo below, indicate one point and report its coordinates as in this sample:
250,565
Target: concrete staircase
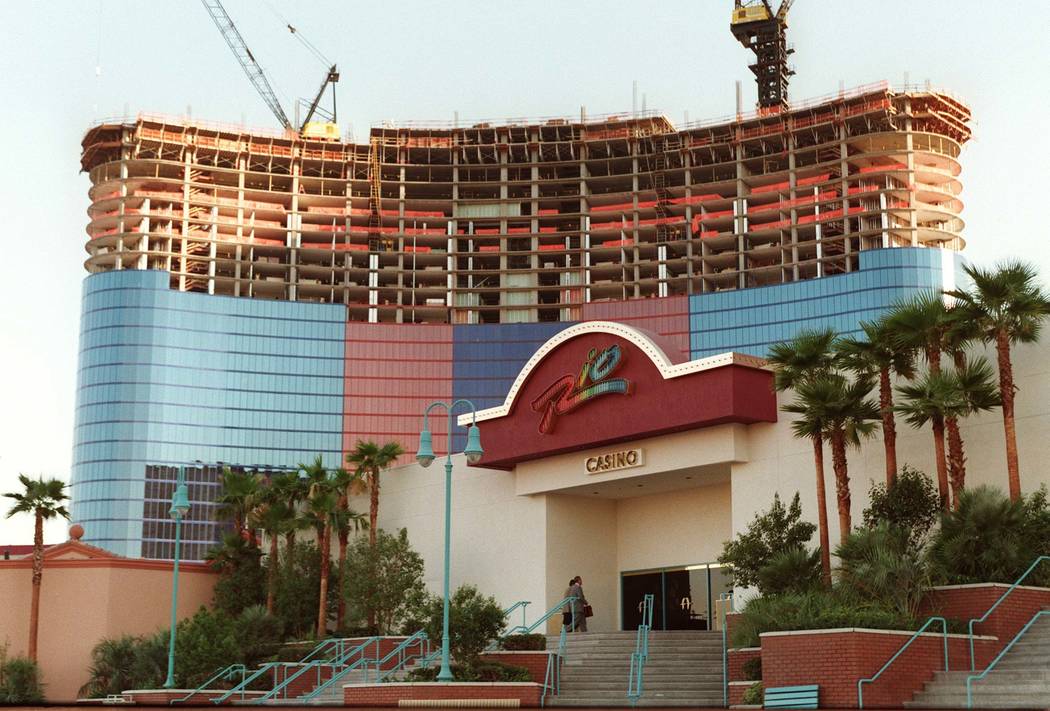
684,669
1020,680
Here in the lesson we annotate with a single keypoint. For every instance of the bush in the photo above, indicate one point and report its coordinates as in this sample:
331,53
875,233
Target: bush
992,539
242,578
752,669
299,588
777,530
792,570
475,620
20,681
881,565
524,643
815,609
911,504
479,671
754,696
257,635
387,579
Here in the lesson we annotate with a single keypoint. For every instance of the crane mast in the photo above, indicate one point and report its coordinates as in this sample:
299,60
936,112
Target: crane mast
244,55
764,32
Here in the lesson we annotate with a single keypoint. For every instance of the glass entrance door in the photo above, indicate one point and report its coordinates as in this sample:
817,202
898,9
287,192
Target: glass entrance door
685,597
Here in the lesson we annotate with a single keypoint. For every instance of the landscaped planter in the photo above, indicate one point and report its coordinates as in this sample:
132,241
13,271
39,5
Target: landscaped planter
466,693
535,662
737,689
163,697
835,659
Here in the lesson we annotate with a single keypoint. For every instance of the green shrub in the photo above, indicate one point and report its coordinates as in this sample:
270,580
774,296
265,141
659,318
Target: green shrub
881,565
20,682
754,696
479,671
791,570
752,669
386,578
475,620
242,578
524,643
911,504
774,531
299,589
989,538
815,609
257,635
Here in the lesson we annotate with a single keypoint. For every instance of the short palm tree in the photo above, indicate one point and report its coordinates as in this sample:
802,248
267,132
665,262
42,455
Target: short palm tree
238,495
345,521
847,415
879,354
809,355
44,499
975,383
928,399
1008,306
290,490
274,518
369,459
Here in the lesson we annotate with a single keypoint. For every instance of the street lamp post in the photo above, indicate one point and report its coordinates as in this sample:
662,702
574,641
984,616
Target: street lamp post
425,457
180,504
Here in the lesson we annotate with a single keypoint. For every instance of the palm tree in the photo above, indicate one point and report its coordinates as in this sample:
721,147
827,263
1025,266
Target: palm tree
975,385
239,495
322,504
290,490
344,520
369,459
846,415
879,354
928,399
274,517
1008,307
808,355
42,498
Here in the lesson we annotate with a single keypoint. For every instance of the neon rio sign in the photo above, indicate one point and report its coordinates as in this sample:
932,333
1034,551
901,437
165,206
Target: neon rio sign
570,391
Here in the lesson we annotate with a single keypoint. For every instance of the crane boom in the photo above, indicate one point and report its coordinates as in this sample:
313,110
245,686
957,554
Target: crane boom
244,55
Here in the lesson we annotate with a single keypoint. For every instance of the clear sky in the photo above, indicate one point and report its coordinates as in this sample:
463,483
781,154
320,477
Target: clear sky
66,64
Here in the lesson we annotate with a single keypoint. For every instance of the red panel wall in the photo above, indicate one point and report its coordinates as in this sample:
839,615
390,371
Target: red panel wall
668,316
391,373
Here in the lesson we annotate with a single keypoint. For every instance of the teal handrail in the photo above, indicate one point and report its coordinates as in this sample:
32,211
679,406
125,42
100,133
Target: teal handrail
401,653
363,660
982,618
246,681
727,606
944,635
340,658
977,677
521,629
641,651
523,604
224,674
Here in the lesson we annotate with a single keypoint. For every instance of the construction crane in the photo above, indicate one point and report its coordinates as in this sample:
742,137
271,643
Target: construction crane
764,32
308,129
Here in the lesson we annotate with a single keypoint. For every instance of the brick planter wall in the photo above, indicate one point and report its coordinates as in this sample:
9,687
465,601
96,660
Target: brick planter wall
967,602
836,659
736,660
535,662
390,694
737,689
164,697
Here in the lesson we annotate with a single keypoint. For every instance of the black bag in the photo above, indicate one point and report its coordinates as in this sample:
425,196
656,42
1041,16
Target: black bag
566,618
587,611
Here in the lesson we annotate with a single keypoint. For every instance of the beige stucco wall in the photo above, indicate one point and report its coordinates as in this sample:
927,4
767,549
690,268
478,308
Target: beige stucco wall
83,602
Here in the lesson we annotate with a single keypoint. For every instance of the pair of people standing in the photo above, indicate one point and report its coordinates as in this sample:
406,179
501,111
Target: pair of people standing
576,611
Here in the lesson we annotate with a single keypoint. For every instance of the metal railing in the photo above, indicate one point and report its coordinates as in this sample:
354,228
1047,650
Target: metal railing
224,674
522,604
982,618
361,661
977,677
944,635
556,610
641,651
403,656
338,663
727,606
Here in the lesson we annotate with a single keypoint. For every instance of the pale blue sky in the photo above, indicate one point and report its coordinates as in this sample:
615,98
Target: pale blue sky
426,60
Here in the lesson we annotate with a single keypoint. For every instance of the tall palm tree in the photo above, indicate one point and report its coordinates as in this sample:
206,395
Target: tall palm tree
1008,307
879,354
847,415
239,494
274,518
42,498
344,520
369,459
322,504
810,354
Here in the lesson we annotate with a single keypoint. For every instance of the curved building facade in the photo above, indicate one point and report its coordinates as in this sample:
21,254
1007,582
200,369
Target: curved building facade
256,300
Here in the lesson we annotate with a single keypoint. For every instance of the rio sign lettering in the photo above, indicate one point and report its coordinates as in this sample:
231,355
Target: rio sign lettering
570,391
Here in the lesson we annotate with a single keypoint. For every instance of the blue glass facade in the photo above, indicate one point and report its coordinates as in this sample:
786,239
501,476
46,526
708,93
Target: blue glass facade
751,320
167,378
